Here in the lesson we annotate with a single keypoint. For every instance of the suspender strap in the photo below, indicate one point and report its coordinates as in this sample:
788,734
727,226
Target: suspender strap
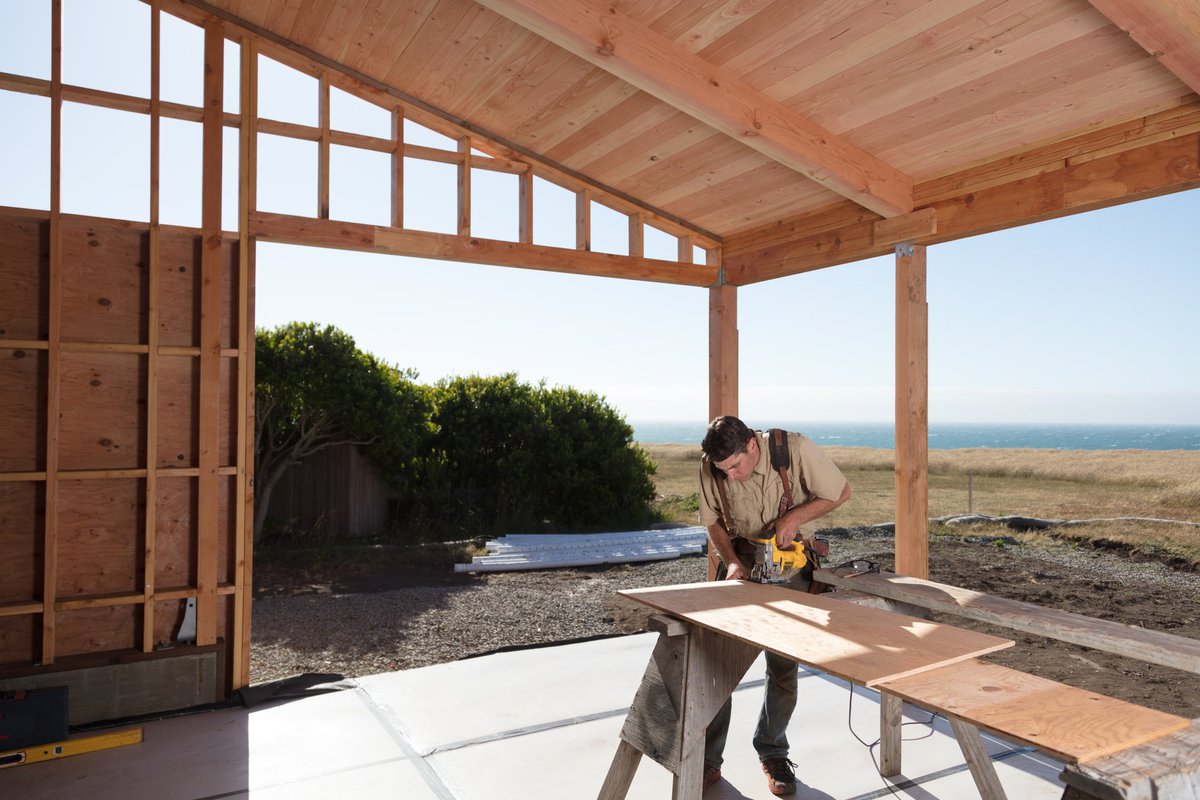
726,518
781,460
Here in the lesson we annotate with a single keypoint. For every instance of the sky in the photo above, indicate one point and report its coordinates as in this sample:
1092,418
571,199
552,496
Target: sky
1085,319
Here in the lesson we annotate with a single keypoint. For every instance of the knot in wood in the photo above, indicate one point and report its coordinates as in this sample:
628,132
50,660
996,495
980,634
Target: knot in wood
606,48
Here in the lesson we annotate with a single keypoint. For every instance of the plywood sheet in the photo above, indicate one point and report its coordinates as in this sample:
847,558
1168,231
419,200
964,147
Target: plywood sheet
178,288
18,638
24,277
1073,724
96,630
104,285
21,520
175,533
863,645
102,424
178,408
99,536
23,378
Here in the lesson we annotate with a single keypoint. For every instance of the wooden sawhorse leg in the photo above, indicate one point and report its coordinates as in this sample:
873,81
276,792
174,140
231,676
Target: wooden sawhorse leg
690,675
970,742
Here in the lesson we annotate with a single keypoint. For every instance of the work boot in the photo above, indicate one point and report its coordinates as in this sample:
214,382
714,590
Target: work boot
711,775
780,778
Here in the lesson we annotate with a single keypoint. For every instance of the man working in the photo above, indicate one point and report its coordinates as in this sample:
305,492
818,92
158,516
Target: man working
741,495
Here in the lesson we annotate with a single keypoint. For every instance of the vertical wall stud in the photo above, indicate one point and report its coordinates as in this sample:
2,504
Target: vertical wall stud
244,452
637,235
151,524
54,353
684,252
912,413
208,493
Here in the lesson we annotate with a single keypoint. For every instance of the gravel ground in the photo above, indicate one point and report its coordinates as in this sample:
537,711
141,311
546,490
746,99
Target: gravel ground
319,628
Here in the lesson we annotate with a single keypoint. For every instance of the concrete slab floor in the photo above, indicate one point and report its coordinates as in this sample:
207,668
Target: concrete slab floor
539,723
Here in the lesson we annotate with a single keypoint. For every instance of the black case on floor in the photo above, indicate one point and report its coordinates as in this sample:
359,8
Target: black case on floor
33,717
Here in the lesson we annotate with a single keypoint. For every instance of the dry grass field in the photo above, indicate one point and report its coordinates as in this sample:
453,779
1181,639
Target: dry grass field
1048,484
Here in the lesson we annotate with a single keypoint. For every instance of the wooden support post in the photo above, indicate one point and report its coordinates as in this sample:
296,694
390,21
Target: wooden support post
208,492
980,764
912,413
722,363
151,455
244,453
323,147
722,351
891,714
397,165
54,351
464,187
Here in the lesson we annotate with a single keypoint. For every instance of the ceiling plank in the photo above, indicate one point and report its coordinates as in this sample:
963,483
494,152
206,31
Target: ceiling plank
604,36
1168,29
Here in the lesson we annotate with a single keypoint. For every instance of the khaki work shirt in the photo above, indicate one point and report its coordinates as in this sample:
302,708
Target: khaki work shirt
755,500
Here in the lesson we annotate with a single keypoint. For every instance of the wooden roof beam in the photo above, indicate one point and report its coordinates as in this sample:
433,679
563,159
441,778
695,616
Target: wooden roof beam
286,229
601,34
1158,155
1168,29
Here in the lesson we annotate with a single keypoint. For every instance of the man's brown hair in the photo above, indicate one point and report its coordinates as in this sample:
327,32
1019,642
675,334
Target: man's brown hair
726,436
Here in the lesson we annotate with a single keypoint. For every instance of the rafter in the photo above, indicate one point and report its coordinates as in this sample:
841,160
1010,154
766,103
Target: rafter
1168,29
599,33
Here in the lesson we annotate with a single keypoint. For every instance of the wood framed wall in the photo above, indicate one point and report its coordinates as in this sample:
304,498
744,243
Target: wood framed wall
127,356
125,458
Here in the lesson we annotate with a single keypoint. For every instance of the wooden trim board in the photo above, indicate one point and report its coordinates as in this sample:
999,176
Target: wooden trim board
1069,723
862,645
1155,647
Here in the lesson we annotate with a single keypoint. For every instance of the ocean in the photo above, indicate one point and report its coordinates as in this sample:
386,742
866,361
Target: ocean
949,436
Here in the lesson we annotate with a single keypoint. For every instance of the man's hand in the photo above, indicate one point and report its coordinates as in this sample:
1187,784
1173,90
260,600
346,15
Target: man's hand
788,524
736,572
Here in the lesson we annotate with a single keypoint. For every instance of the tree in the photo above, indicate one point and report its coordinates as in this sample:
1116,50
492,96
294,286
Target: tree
315,389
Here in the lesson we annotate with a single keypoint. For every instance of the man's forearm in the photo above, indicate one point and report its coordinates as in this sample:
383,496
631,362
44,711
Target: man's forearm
808,511
720,539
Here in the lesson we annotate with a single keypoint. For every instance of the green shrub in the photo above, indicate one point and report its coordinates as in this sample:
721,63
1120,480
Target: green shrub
509,456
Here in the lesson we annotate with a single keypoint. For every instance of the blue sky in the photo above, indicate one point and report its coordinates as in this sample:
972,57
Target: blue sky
1090,318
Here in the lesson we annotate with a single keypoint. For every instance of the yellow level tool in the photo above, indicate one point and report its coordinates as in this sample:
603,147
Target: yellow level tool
70,747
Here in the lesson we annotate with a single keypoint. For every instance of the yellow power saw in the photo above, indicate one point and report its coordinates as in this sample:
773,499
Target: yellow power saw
773,564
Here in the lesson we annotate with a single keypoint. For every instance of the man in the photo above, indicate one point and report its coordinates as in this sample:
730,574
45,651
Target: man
754,492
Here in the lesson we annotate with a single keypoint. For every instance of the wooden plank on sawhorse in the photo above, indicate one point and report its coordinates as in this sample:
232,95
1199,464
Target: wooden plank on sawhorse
70,747
1167,768
690,675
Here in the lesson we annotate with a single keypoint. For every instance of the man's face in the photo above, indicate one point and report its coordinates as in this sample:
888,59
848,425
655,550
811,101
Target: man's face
739,465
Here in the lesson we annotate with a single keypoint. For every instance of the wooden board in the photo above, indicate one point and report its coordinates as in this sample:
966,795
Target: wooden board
1155,647
1072,724
862,645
